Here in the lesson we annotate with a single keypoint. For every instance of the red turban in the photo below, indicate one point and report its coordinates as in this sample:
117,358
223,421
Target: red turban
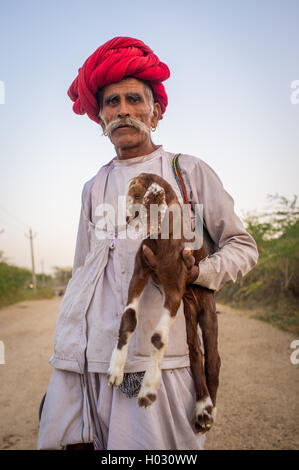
118,58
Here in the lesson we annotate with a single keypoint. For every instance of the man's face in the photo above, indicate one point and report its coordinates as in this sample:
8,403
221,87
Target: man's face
128,98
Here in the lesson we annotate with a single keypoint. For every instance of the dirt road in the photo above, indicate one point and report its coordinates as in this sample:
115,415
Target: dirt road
258,396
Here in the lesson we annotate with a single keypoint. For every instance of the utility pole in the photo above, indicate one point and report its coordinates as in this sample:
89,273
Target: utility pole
1,252
43,274
32,258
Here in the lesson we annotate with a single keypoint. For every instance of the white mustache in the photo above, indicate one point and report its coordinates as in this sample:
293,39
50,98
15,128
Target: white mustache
132,122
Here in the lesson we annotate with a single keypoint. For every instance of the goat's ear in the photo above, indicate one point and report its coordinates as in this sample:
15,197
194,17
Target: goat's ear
161,193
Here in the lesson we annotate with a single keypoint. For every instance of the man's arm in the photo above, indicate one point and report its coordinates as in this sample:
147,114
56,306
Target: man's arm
237,253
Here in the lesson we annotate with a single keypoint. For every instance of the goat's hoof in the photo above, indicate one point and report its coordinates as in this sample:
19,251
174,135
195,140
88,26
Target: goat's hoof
147,400
114,380
205,415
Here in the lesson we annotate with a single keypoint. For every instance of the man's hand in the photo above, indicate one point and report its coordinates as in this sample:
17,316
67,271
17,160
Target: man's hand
188,258
193,270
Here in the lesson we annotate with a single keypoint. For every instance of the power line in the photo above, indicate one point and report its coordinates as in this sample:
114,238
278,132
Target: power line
14,217
11,223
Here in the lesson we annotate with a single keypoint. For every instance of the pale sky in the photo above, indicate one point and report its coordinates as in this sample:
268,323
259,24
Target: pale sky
232,64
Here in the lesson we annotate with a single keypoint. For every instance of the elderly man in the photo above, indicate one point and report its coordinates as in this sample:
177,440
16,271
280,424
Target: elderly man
120,87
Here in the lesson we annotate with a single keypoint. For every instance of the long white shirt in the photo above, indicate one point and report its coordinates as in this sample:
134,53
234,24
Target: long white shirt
88,323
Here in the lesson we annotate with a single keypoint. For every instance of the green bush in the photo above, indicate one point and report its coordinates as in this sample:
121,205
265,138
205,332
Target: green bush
273,285
14,285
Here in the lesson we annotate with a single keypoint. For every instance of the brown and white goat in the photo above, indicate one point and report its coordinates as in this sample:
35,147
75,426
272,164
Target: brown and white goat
199,304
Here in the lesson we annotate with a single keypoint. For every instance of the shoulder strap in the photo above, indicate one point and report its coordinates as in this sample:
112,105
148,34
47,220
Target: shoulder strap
209,243
180,182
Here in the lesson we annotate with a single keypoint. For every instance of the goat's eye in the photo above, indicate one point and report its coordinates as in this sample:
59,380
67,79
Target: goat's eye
137,196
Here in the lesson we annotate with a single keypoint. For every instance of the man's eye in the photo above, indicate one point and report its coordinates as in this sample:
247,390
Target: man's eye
134,99
137,196
112,100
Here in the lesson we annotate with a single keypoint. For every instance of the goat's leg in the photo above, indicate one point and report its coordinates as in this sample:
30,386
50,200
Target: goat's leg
128,322
204,405
207,319
159,340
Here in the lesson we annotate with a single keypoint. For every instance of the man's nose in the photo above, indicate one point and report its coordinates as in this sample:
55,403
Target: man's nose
123,109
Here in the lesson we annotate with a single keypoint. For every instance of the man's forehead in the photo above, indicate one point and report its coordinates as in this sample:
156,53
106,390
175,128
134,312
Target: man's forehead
126,85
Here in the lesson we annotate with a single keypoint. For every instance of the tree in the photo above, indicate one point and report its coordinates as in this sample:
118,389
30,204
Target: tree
62,275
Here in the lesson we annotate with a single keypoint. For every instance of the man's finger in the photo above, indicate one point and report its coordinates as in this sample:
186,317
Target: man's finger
192,275
188,257
149,256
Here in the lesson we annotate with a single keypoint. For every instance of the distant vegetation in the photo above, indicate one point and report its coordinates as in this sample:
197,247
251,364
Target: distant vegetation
272,287
62,275
16,283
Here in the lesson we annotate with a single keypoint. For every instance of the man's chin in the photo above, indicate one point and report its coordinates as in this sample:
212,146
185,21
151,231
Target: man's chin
126,142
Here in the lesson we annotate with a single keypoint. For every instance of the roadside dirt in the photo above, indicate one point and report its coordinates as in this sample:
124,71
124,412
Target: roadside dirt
257,399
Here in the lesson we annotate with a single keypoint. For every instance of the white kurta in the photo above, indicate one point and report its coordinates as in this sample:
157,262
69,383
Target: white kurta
79,405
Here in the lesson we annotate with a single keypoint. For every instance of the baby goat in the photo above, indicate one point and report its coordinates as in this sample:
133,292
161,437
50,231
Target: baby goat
199,304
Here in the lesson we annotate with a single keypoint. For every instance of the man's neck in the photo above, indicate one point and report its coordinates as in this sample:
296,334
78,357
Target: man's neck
138,151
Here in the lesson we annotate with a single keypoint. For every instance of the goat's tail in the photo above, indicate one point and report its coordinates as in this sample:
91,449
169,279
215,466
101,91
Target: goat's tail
195,296
191,298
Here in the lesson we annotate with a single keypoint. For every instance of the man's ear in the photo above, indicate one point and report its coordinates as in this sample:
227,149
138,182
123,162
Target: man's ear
157,113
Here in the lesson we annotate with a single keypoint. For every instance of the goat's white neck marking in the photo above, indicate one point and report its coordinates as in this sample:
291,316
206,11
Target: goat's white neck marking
155,189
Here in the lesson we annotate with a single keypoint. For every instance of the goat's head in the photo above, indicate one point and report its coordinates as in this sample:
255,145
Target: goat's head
148,197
